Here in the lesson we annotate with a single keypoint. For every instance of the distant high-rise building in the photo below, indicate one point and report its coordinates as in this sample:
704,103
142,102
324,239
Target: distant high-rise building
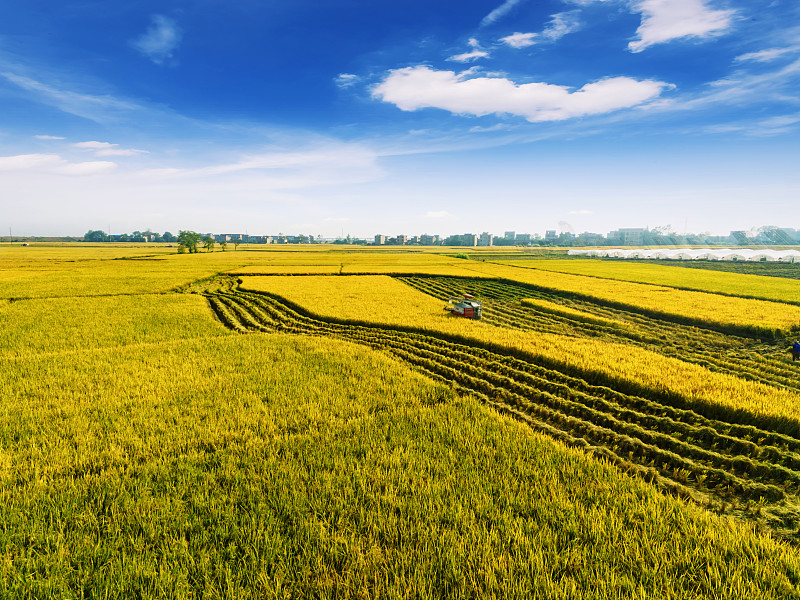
486,239
524,238
428,240
550,235
469,239
631,236
510,235
380,240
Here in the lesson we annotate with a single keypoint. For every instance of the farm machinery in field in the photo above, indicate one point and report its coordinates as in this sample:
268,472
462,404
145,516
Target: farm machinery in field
466,306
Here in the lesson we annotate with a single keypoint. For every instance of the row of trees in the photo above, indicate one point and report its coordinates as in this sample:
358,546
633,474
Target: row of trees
190,241
99,235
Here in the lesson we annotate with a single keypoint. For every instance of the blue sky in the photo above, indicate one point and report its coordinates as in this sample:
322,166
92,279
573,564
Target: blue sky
348,116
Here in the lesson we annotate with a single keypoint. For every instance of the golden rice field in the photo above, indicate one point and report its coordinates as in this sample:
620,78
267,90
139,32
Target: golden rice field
385,300
225,425
695,307
662,273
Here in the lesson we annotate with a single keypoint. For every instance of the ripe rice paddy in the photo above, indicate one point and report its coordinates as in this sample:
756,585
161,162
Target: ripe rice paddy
703,279
373,446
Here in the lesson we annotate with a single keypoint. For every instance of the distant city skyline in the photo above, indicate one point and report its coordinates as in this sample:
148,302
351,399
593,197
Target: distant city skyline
636,236
342,116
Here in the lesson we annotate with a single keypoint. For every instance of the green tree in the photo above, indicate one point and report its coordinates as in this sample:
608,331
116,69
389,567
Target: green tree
208,243
224,245
189,240
95,236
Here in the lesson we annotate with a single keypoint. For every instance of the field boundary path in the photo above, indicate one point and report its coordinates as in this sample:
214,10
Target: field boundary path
750,471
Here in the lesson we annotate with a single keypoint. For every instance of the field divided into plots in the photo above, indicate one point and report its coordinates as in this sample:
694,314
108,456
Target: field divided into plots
704,276
517,306
364,443
716,459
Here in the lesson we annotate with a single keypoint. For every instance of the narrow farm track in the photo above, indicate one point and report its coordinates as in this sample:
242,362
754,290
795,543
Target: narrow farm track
747,358
740,469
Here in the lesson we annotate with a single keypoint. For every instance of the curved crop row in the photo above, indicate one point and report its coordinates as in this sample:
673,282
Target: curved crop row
682,451
754,360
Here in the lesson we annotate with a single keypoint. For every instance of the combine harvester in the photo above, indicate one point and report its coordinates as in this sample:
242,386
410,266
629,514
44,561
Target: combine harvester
467,307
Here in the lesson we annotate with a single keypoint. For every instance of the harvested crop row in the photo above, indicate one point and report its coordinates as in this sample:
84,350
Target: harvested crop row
718,460
505,306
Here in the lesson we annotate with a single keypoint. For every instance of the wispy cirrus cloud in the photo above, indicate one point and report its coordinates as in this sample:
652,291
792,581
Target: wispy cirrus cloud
98,108
107,149
667,20
53,163
500,12
767,55
346,80
760,128
743,88
413,88
326,164
560,24
520,40
48,137
474,54
160,40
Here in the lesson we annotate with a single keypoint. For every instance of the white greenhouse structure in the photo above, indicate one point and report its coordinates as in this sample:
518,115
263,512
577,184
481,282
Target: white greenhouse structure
744,254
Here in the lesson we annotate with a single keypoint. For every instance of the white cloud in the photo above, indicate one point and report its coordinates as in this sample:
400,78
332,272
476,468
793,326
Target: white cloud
560,24
160,40
781,121
496,127
520,40
665,20
332,158
469,56
48,137
500,12
329,163
475,53
87,168
761,128
93,107
743,88
345,80
94,145
413,88
107,149
53,163
24,162
767,55
120,152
